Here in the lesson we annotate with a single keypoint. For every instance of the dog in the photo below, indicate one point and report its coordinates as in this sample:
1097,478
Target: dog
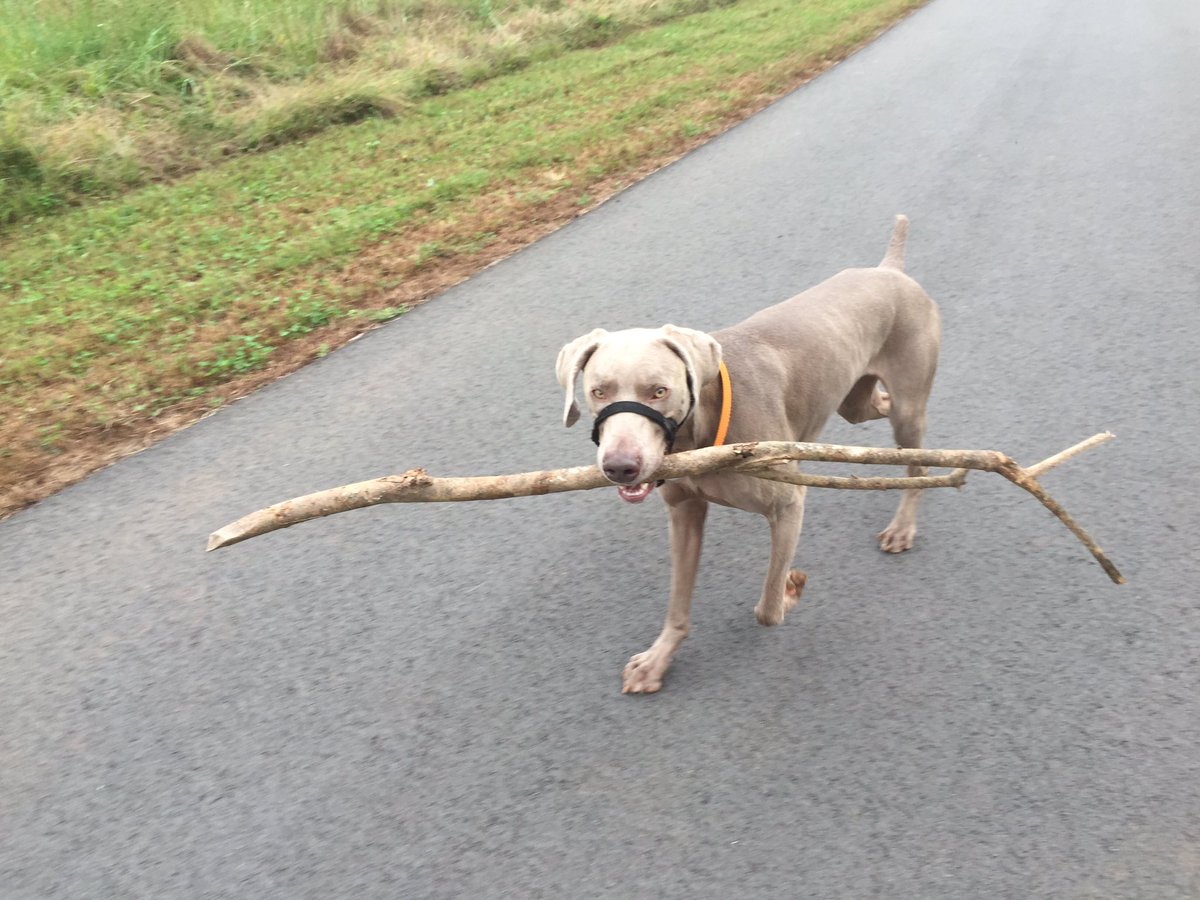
863,343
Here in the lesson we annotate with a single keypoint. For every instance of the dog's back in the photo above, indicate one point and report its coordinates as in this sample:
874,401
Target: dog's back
865,322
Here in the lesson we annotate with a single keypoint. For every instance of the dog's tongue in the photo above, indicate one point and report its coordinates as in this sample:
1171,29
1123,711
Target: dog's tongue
637,493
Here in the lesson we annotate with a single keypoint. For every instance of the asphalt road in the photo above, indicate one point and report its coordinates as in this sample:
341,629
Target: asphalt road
424,701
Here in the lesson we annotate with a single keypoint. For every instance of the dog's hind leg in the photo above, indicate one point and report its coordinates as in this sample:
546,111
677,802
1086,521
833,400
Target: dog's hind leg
908,426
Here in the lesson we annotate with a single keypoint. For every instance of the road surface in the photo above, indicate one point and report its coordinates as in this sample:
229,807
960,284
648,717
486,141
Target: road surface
422,702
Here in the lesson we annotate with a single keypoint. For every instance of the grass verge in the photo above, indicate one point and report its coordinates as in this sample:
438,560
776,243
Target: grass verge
99,96
124,320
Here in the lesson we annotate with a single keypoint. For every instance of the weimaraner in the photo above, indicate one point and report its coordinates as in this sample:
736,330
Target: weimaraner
791,365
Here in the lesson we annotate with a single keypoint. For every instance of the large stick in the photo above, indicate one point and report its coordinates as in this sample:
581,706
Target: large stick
761,459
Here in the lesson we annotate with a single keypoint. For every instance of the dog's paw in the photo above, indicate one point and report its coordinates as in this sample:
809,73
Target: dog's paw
792,589
897,538
795,587
644,672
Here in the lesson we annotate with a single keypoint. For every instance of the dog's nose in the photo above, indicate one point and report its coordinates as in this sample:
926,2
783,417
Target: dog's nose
621,468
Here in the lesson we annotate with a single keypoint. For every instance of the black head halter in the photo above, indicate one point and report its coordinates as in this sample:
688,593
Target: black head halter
669,426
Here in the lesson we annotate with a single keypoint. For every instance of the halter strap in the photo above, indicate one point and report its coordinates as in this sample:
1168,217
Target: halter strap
669,426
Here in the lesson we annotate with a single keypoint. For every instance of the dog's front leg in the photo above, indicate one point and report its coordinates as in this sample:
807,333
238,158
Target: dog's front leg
644,671
783,585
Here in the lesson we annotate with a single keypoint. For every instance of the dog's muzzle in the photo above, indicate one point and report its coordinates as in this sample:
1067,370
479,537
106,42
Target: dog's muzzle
669,426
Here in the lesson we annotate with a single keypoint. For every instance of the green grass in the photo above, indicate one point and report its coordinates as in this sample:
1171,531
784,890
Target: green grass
116,312
98,96
122,43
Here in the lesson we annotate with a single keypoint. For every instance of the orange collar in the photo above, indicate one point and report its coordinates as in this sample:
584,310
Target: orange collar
726,406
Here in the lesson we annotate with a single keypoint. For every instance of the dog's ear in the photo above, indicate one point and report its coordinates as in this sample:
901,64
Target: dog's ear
571,360
700,352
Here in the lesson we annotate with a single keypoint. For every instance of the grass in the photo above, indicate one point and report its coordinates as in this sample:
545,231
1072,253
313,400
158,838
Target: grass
98,96
126,315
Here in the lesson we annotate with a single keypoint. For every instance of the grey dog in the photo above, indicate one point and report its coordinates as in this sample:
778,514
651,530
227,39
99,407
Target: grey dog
864,343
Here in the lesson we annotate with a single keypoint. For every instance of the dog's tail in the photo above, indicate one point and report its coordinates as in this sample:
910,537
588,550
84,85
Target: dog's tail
894,258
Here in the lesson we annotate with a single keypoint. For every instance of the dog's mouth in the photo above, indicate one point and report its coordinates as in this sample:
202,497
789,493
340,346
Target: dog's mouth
635,493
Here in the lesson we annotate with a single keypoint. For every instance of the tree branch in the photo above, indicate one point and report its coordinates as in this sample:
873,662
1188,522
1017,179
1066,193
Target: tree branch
1050,462
758,459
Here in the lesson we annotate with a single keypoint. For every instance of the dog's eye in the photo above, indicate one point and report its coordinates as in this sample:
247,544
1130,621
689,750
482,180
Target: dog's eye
659,393
597,393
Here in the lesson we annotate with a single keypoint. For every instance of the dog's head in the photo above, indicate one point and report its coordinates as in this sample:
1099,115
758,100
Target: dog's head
660,368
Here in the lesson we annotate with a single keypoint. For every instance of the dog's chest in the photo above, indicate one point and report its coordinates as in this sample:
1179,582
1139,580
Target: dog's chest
735,491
